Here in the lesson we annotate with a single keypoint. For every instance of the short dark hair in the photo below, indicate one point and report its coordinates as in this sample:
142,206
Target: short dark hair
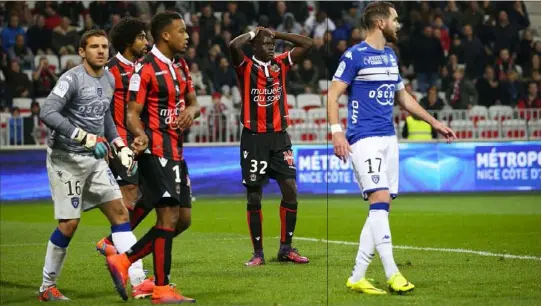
125,32
88,34
377,9
162,20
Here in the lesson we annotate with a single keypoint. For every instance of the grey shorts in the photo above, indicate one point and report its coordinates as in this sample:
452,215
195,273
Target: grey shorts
79,183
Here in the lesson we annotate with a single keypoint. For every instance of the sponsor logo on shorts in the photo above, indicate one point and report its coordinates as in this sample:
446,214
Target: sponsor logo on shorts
253,177
375,178
289,158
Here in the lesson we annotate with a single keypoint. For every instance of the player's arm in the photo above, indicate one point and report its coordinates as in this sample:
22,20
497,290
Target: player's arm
137,93
404,99
192,110
336,89
51,111
302,44
236,46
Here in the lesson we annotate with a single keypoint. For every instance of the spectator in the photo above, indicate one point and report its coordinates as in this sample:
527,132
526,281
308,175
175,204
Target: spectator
217,39
525,50
473,52
35,131
518,16
69,65
211,62
88,25
457,49
473,16
21,53
530,101
39,37
440,31
44,78
191,56
225,78
290,25
453,18
503,64
277,13
52,18
506,33
97,9
71,9
510,89
207,21
200,81
319,25
427,67
18,82
239,20
488,88
534,64
319,55
217,119
65,38
461,94
16,130
342,32
308,76
445,79
10,32
432,102
417,129
356,36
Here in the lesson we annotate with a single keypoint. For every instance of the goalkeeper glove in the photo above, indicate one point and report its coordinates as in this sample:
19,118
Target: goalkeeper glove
96,144
125,155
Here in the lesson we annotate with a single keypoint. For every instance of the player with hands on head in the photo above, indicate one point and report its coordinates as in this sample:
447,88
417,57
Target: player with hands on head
369,73
265,145
78,112
162,103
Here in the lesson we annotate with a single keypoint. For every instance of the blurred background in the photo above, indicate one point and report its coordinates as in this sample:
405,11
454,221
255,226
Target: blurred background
475,64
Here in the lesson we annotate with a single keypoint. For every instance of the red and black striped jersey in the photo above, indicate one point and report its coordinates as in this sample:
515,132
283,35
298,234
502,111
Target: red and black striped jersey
263,91
122,70
161,86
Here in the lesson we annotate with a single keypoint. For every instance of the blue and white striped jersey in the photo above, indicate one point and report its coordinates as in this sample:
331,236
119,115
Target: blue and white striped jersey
373,78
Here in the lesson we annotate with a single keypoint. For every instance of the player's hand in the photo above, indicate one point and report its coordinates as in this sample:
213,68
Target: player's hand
341,148
140,144
125,156
185,120
445,131
97,145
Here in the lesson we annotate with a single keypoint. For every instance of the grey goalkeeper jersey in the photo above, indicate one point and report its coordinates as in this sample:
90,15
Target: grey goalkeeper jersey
79,101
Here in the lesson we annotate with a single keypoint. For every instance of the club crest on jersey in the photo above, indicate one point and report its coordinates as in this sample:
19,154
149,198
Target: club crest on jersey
75,202
275,68
375,178
99,91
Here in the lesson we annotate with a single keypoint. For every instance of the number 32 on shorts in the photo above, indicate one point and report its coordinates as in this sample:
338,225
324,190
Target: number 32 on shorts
254,166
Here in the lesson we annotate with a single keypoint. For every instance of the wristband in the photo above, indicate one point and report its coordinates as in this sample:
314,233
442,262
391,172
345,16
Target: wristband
336,128
252,35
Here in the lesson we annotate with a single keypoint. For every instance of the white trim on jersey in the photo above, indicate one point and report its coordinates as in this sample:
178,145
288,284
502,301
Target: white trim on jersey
378,74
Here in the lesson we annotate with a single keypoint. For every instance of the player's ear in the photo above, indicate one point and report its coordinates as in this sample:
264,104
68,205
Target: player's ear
81,52
165,36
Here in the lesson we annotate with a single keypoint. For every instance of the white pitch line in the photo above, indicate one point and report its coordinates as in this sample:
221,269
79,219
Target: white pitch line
403,247
444,250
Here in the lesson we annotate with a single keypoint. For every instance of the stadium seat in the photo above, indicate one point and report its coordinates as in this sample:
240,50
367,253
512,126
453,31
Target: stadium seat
515,128
291,101
501,112
22,103
306,132
418,96
297,116
477,113
464,129
41,100
317,115
65,58
308,101
488,129
534,129
323,85
53,61
28,74
205,101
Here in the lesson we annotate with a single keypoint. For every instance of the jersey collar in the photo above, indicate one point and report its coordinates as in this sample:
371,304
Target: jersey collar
161,56
260,62
123,59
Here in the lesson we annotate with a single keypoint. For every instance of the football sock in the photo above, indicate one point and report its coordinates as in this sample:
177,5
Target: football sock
255,219
365,254
143,246
54,258
138,214
288,218
130,213
124,239
380,227
162,246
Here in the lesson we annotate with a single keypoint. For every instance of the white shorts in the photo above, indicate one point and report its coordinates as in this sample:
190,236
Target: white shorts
79,183
376,164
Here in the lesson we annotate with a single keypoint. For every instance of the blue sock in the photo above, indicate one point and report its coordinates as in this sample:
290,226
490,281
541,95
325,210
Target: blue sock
380,206
59,239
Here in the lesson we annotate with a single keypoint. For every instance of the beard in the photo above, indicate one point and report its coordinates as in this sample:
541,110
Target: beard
390,35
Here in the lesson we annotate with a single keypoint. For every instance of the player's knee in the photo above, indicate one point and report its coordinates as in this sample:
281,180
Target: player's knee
168,216
379,196
68,227
119,213
129,195
254,198
289,191
182,225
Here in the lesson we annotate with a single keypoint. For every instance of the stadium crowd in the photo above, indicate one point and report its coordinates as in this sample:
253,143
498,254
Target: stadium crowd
452,54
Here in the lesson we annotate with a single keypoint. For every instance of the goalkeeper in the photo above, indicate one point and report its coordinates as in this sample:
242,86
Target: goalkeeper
77,111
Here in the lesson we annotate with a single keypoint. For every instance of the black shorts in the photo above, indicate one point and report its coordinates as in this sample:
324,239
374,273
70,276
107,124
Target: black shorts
264,156
165,179
119,172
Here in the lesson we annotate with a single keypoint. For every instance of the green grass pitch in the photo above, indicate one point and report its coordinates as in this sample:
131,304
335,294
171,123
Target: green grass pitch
208,259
